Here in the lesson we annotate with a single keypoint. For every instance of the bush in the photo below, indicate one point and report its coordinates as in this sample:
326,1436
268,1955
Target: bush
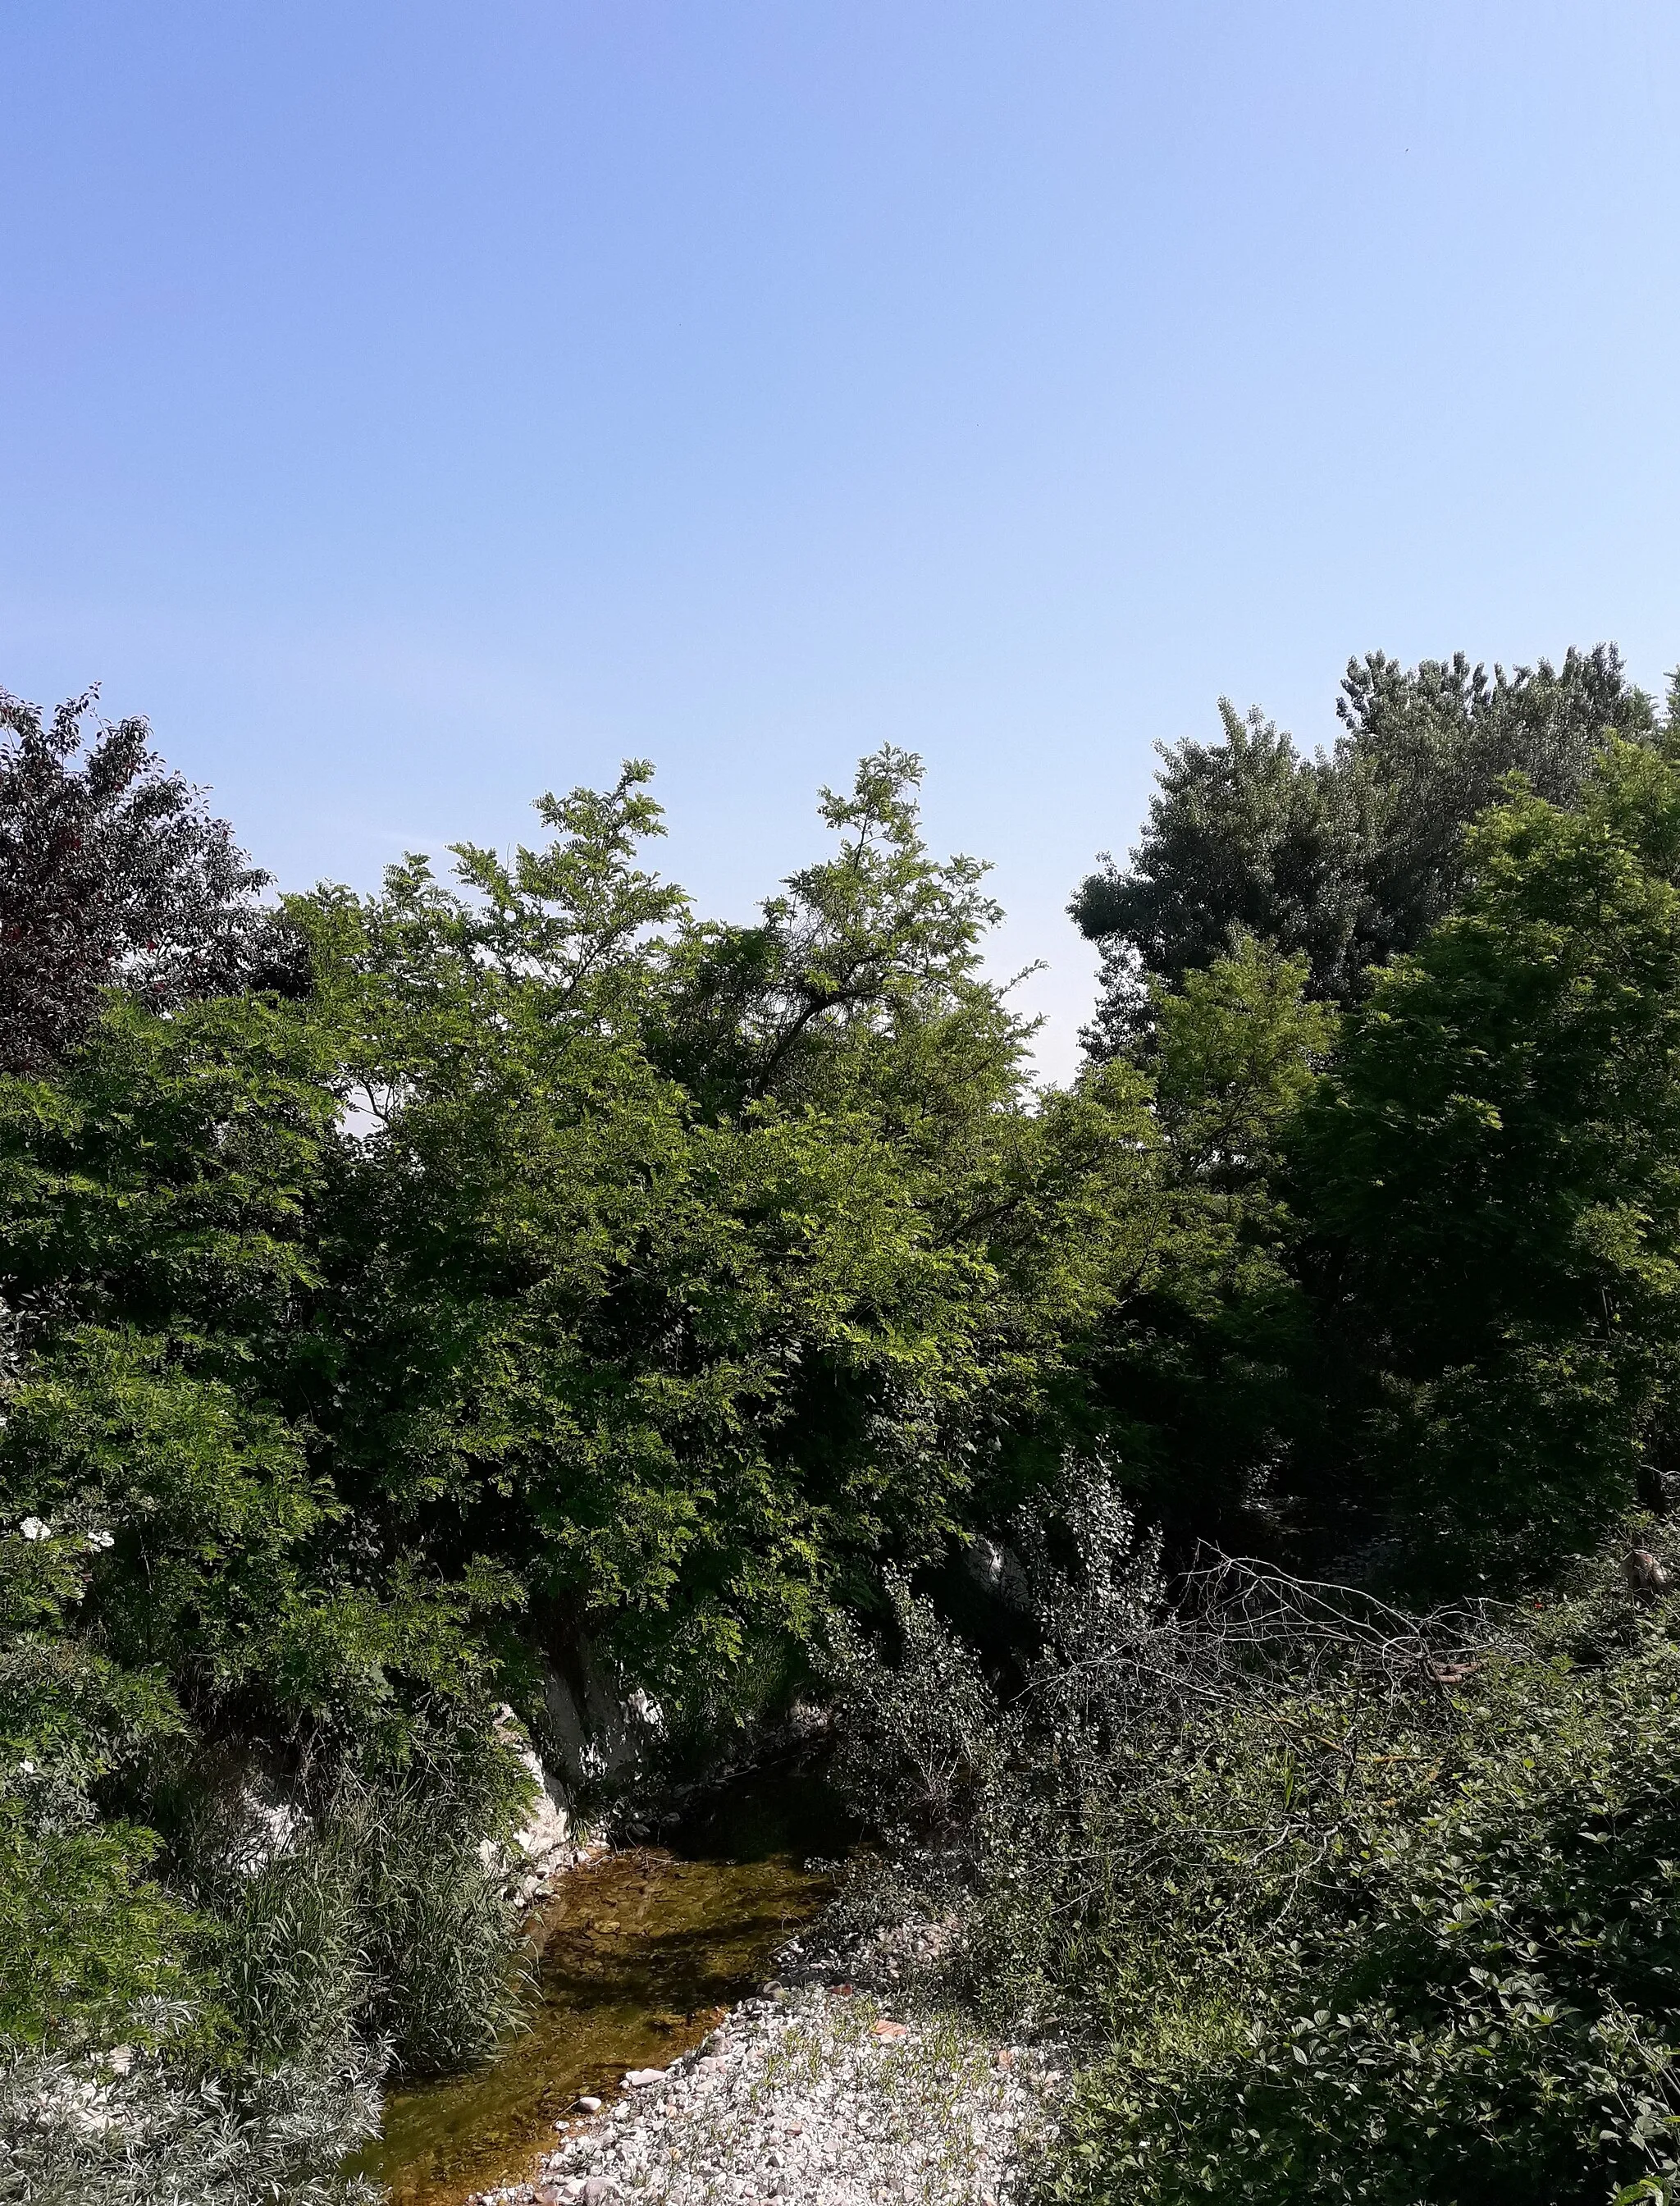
127,2131
919,1737
379,1938
85,1933
1340,1903
441,1950
385,1924
1495,2016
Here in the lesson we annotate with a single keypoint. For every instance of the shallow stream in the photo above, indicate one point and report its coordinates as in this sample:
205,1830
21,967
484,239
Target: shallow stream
639,1954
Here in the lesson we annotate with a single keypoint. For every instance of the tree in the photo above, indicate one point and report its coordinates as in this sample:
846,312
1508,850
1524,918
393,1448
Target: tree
191,1622
160,1205
687,1268
1347,859
1493,1190
879,941
1203,1380
111,869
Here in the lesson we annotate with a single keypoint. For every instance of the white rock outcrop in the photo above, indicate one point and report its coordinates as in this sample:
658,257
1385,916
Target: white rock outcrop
545,1842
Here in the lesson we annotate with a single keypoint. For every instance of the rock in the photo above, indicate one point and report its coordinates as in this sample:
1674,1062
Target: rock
639,2078
596,1729
590,2104
1648,1579
804,2101
545,1842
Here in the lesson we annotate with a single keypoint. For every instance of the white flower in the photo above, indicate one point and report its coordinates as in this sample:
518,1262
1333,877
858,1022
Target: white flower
34,1529
101,1539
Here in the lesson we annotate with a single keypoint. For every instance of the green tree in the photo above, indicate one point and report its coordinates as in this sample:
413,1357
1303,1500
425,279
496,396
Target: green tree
687,1268
1202,1382
1493,1182
1346,859
197,1622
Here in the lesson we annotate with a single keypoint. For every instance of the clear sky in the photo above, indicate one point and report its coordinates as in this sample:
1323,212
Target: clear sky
411,406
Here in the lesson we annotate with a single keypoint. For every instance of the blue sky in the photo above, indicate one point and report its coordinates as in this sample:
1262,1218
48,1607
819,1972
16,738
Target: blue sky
412,406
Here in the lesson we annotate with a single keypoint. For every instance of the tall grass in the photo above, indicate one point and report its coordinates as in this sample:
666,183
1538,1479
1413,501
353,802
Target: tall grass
77,2133
376,1937
386,1923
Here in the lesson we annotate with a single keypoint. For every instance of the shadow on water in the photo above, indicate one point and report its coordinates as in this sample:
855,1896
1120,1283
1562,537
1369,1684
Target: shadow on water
639,1953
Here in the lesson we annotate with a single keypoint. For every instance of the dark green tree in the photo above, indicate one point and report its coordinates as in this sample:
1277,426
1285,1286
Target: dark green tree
1202,1382
1493,1182
111,869
1349,858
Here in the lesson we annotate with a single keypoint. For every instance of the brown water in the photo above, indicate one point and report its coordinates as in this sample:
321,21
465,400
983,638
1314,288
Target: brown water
639,1952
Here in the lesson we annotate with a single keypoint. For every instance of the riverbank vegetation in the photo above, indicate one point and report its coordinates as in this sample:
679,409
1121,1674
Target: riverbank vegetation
1337,1902
512,1287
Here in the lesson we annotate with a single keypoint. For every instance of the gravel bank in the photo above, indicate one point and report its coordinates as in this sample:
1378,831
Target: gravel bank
815,2097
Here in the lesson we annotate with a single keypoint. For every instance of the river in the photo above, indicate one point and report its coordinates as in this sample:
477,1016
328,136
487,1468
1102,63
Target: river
638,1955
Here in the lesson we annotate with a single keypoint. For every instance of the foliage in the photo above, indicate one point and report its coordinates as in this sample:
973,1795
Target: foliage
1336,1903
382,1924
1484,2007
198,1668
1347,859
86,1935
685,1274
110,870
1203,1381
918,1732
129,2132
553,1267
1491,1179
410,1300
1184,1756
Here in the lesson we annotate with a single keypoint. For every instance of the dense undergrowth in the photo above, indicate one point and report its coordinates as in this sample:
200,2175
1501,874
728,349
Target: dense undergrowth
1333,1902
208,2013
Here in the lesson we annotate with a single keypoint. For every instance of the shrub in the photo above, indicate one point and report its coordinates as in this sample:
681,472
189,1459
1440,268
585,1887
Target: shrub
1340,1903
441,1951
1494,2015
919,1735
385,1923
129,2133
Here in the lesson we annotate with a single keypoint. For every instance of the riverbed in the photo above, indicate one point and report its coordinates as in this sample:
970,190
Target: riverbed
638,1955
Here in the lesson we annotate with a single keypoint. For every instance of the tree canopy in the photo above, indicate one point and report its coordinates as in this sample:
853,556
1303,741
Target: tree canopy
1346,858
111,869
1492,1172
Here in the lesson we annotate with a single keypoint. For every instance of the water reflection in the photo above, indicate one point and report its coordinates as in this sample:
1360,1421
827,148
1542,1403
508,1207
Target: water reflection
639,1954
